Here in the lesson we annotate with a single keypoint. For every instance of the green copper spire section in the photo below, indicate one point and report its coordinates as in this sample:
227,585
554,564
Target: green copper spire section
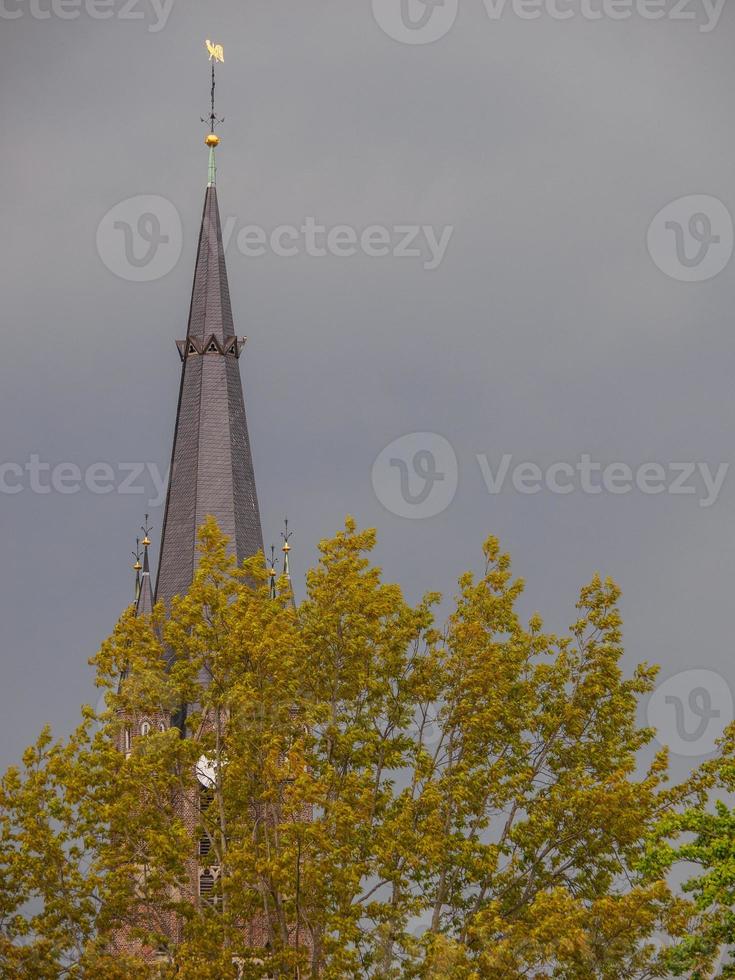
212,180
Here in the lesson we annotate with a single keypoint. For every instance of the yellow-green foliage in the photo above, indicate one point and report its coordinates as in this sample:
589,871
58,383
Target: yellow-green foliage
390,799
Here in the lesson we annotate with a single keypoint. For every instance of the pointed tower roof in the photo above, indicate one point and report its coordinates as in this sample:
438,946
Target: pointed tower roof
143,592
144,605
272,574
211,466
286,549
137,568
211,311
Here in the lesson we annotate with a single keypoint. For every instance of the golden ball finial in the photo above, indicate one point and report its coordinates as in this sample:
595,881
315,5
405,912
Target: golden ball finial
146,542
211,139
137,566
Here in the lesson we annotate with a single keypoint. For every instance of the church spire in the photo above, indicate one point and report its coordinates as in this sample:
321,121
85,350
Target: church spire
144,605
137,568
286,549
272,574
211,466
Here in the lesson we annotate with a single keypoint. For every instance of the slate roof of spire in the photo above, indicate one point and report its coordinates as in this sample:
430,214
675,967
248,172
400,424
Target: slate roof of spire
211,467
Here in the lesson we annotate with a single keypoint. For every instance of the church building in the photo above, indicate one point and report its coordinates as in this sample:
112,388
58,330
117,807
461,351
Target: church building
211,474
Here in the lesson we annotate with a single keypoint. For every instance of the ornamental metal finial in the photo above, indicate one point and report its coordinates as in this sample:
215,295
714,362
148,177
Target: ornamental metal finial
286,535
146,542
216,53
137,567
272,573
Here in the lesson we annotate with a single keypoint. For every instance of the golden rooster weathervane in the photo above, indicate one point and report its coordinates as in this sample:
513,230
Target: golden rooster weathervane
216,51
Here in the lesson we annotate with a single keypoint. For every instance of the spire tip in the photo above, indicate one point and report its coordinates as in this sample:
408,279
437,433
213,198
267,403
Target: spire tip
216,53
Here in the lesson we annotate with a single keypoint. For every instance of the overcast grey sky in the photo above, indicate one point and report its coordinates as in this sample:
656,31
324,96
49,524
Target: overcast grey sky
546,332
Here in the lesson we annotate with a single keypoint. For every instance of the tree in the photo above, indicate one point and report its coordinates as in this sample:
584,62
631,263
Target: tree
700,836
379,797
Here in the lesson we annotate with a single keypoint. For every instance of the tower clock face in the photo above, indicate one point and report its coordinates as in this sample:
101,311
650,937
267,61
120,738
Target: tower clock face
206,771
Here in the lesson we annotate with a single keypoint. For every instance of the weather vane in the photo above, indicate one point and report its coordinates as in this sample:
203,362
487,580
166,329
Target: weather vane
216,53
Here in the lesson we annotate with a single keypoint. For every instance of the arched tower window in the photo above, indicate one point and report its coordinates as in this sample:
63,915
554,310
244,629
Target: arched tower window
145,728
